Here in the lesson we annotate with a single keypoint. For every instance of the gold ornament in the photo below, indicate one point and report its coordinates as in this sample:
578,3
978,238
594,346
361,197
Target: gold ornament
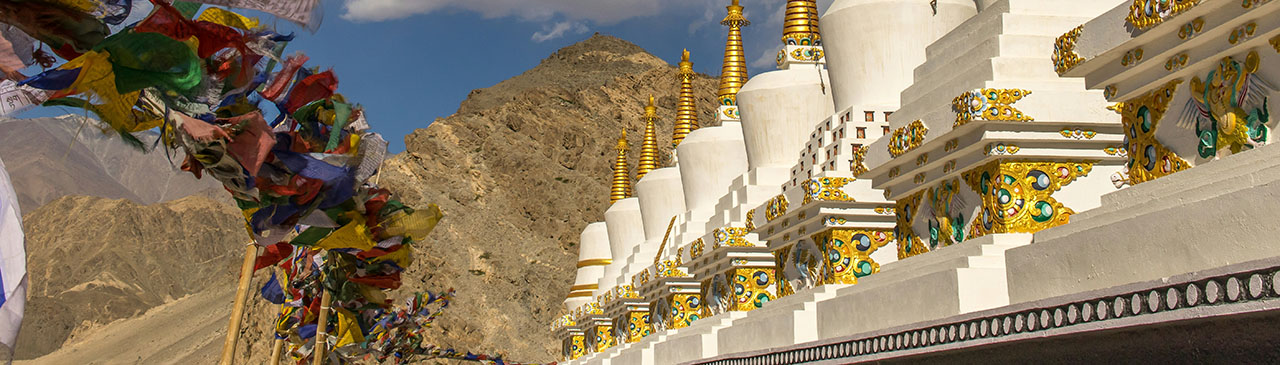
639,326
848,253
826,189
1064,51
776,207
989,105
907,138
731,237
1191,29
1017,196
859,163
649,149
752,287
686,108
1148,158
621,172
1144,14
604,337
908,243
734,72
800,27
577,347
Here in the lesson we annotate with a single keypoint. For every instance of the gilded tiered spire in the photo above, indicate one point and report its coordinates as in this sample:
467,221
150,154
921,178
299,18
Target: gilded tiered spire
649,149
801,25
621,172
734,72
686,110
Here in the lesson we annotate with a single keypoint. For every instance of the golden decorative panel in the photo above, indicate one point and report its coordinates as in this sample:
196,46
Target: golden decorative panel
696,248
1275,43
1144,14
1148,158
604,338
952,145
949,167
826,189
684,310
989,105
577,347
1064,51
907,138
1017,197
752,287
848,253
922,159
776,207
908,243
751,220
638,326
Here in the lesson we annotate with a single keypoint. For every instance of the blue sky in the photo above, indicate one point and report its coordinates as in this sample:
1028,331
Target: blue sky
409,62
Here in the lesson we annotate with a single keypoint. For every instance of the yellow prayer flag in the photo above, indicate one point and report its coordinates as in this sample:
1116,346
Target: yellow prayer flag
402,257
98,79
348,331
353,235
227,18
414,226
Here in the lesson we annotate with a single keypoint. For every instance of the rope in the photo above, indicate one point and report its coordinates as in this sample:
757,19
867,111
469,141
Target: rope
664,240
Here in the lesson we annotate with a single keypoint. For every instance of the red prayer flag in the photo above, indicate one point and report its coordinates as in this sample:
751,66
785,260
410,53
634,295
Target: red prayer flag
272,255
312,88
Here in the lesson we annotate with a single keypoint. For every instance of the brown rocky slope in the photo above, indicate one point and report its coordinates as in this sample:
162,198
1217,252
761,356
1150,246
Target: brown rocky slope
94,260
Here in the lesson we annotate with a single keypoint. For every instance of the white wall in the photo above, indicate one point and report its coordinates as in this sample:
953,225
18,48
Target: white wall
874,45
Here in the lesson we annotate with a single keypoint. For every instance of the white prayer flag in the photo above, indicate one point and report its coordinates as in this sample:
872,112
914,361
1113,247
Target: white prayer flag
306,13
15,99
13,263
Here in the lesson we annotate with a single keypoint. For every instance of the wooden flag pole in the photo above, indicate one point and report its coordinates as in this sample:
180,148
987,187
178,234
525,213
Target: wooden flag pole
237,311
322,335
277,351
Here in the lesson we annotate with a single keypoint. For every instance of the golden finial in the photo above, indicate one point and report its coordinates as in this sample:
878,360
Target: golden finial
801,25
621,172
686,110
734,72
649,149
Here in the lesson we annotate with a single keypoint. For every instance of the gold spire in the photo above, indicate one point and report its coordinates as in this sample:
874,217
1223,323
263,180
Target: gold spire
621,172
649,149
734,72
801,25
686,110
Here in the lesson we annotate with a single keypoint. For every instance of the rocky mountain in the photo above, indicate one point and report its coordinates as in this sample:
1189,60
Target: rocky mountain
91,261
48,158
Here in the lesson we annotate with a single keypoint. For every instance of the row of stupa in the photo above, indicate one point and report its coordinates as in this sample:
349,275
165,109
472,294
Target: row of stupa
830,202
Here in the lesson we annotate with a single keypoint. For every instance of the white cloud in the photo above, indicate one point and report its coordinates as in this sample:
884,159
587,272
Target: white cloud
599,11
558,30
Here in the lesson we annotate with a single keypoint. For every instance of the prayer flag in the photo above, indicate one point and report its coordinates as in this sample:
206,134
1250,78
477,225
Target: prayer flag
13,263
